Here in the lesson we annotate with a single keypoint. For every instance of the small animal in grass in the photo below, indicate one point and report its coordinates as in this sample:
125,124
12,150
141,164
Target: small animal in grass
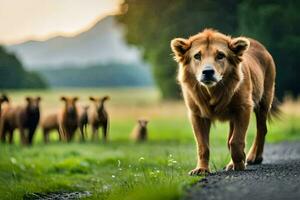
48,124
68,118
25,118
83,121
99,118
140,132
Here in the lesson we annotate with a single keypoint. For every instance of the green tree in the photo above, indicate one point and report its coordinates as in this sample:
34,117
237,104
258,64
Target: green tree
276,24
13,75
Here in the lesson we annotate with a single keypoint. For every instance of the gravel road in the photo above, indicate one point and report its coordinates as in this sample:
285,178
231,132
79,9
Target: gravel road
277,178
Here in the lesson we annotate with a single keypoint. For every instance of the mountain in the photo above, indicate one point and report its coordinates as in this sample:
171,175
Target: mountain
103,43
104,75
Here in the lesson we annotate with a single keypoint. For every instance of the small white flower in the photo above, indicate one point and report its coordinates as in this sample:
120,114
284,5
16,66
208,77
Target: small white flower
141,159
13,160
113,176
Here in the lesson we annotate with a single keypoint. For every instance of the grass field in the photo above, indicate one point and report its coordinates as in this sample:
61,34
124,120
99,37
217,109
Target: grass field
121,169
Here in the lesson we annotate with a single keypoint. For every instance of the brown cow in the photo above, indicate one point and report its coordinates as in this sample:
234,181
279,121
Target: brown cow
99,117
48,124
224,78
68,118
140,132
25,118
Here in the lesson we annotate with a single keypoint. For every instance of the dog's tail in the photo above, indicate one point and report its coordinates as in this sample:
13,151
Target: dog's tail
275,110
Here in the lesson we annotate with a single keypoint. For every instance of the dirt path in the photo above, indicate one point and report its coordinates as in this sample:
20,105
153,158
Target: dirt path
277,178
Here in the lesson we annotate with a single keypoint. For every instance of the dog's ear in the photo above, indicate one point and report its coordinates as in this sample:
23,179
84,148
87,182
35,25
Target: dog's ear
28,99
92,98
38,98
179,47
63,98
239,45
75,99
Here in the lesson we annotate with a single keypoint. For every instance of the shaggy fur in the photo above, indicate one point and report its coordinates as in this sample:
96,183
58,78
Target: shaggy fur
68,118
140,132
245,74
25,118
98,117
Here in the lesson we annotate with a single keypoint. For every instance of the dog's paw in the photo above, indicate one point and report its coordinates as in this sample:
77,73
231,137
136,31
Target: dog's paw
253,160
235,166
229,166
199,171
239,166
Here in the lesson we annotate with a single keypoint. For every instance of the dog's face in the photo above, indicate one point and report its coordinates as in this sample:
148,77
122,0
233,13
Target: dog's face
70,104
33,103
209,55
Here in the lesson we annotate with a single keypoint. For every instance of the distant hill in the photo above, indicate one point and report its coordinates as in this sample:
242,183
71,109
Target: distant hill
105,75
103,43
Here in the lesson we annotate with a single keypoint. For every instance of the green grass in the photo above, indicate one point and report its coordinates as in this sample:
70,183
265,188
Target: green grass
121,169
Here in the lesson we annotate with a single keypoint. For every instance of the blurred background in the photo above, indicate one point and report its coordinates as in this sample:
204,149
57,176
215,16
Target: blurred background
125,43
121,48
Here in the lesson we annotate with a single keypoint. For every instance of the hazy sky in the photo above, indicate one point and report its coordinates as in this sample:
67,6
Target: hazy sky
21,20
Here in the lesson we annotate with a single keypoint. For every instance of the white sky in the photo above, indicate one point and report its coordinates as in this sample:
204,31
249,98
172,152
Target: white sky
21,20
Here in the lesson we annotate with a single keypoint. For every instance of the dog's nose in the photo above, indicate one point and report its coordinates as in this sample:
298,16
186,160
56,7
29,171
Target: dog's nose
208,72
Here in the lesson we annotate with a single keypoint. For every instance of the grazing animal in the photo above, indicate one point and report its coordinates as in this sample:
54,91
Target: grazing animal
25,118
224,78
83,120
48,124
68,118
99,117
140,132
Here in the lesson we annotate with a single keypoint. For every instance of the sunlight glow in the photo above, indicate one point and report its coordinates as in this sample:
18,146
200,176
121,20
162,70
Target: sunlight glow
41,19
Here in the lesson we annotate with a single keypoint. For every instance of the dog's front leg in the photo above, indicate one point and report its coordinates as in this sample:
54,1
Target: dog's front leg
237,140
201,127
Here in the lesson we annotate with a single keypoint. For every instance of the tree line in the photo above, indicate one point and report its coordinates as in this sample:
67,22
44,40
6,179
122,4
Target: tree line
13,75
151,24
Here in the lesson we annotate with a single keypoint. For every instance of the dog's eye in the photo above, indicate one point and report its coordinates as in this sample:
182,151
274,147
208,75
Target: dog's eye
197,56
220,56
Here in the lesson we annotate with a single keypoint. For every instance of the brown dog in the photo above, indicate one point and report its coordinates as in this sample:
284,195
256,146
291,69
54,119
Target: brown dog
140,133
48,124
83,121
224,78
99,117
25,118
68,118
